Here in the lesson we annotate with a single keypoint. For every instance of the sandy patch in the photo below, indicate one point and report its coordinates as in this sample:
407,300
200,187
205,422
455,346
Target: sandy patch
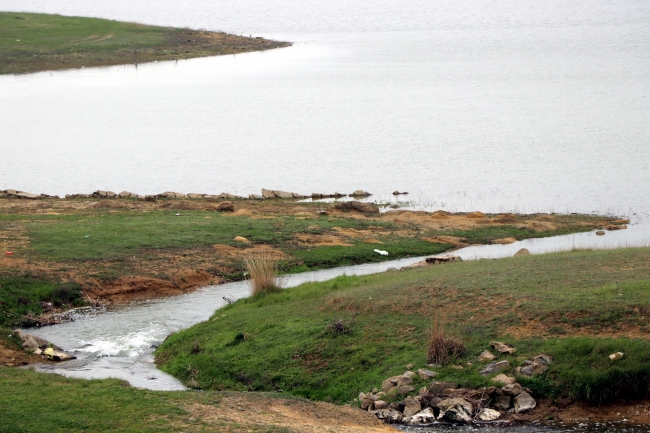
321,240
452,240
239,253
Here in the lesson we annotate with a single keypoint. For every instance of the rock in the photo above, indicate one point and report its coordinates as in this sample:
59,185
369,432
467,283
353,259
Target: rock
537,365
38,352
30,344
392,269
399,193
455,410
225,206
61,356
445,404
28,195
266,193
489,415
256,197
33,342
437,260
423,417
494,367
388,384
381,404
367,401
126,194
543,359
194,195
506,380
475,215
241,239
150,198
438,387
409,373
404,389
411,407
389,416
615,356
600,233
503,347
524,402
522,252
12,192
404,380
502,401
426,374
360,193
512,389
357,206
485,356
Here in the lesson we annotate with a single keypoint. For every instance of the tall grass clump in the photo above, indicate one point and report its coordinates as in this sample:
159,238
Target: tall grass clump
444,342
262,274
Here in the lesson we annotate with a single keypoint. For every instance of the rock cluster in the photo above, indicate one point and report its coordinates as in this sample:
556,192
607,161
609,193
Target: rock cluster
445,402
40,346
23,194
268,193
356,206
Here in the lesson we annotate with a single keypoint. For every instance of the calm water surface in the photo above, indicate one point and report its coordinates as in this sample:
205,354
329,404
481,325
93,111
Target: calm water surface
490,105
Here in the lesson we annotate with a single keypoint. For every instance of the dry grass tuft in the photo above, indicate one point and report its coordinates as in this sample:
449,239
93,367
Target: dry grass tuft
444,344
262,274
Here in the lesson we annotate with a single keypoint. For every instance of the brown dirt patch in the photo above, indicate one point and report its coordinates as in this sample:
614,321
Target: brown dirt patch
256,411
240,253
321,240
14,356
452,240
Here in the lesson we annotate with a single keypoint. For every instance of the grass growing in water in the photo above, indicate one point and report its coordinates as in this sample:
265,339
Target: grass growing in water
262,274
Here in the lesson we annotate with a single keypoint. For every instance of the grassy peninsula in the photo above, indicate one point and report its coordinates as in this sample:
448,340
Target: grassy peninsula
331,340
38,42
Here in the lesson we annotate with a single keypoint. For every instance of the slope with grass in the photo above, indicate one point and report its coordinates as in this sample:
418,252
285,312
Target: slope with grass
37,42
331,340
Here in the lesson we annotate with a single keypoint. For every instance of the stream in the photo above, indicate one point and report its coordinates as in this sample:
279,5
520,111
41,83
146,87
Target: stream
119,343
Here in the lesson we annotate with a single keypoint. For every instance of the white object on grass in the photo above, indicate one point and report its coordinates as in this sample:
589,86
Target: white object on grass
383,253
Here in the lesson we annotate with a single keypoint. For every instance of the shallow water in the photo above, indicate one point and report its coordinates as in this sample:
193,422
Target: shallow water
119,343
497,105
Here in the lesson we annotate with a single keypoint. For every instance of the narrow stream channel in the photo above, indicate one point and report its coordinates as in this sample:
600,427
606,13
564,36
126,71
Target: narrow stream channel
119,343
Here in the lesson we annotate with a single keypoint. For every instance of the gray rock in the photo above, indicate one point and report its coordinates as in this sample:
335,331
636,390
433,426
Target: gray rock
256,197
381,404
438,260
410,374
411,406
486,356
28,195
506,380
448,403
456,414
438,387
489,415
421,418
194,195
357,206
426,374
512,389
126,194
30,344
524,402
494,367
367,401
404,389
12,192
404,380
389,416
502,401
360,193
522,252
503,347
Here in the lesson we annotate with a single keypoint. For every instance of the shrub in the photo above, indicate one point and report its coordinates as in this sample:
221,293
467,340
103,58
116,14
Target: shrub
262,274
443,347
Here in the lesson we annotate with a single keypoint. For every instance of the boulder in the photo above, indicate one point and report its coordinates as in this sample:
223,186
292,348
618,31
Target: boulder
524,402
437,260
389,416
126,194
522,252
512,389
396,192
367,401
381,404
447,403
502,401
438,387
194,195
404,389
267,193
57,355
241,239
360,193
421,418
410,374
600,233
494,367
151,198
537,365
12,192
225,206
489,415
455,410
411,406
256,197
426,374
357,206
486,356
28,195
506,380
503,347
30,344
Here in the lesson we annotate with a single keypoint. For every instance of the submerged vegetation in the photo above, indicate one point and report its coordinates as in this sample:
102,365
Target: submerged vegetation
37,42
599,298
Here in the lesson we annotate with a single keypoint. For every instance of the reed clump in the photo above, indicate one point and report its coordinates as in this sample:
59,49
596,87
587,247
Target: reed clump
262,274
444,342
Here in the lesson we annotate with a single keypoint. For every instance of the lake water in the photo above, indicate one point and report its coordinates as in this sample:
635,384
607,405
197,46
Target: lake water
490,105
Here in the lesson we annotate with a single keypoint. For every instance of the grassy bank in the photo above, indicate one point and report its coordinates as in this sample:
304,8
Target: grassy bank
48,402
36,42
578,307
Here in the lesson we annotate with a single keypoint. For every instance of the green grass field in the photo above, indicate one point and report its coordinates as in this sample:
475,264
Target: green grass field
578,307
34,42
